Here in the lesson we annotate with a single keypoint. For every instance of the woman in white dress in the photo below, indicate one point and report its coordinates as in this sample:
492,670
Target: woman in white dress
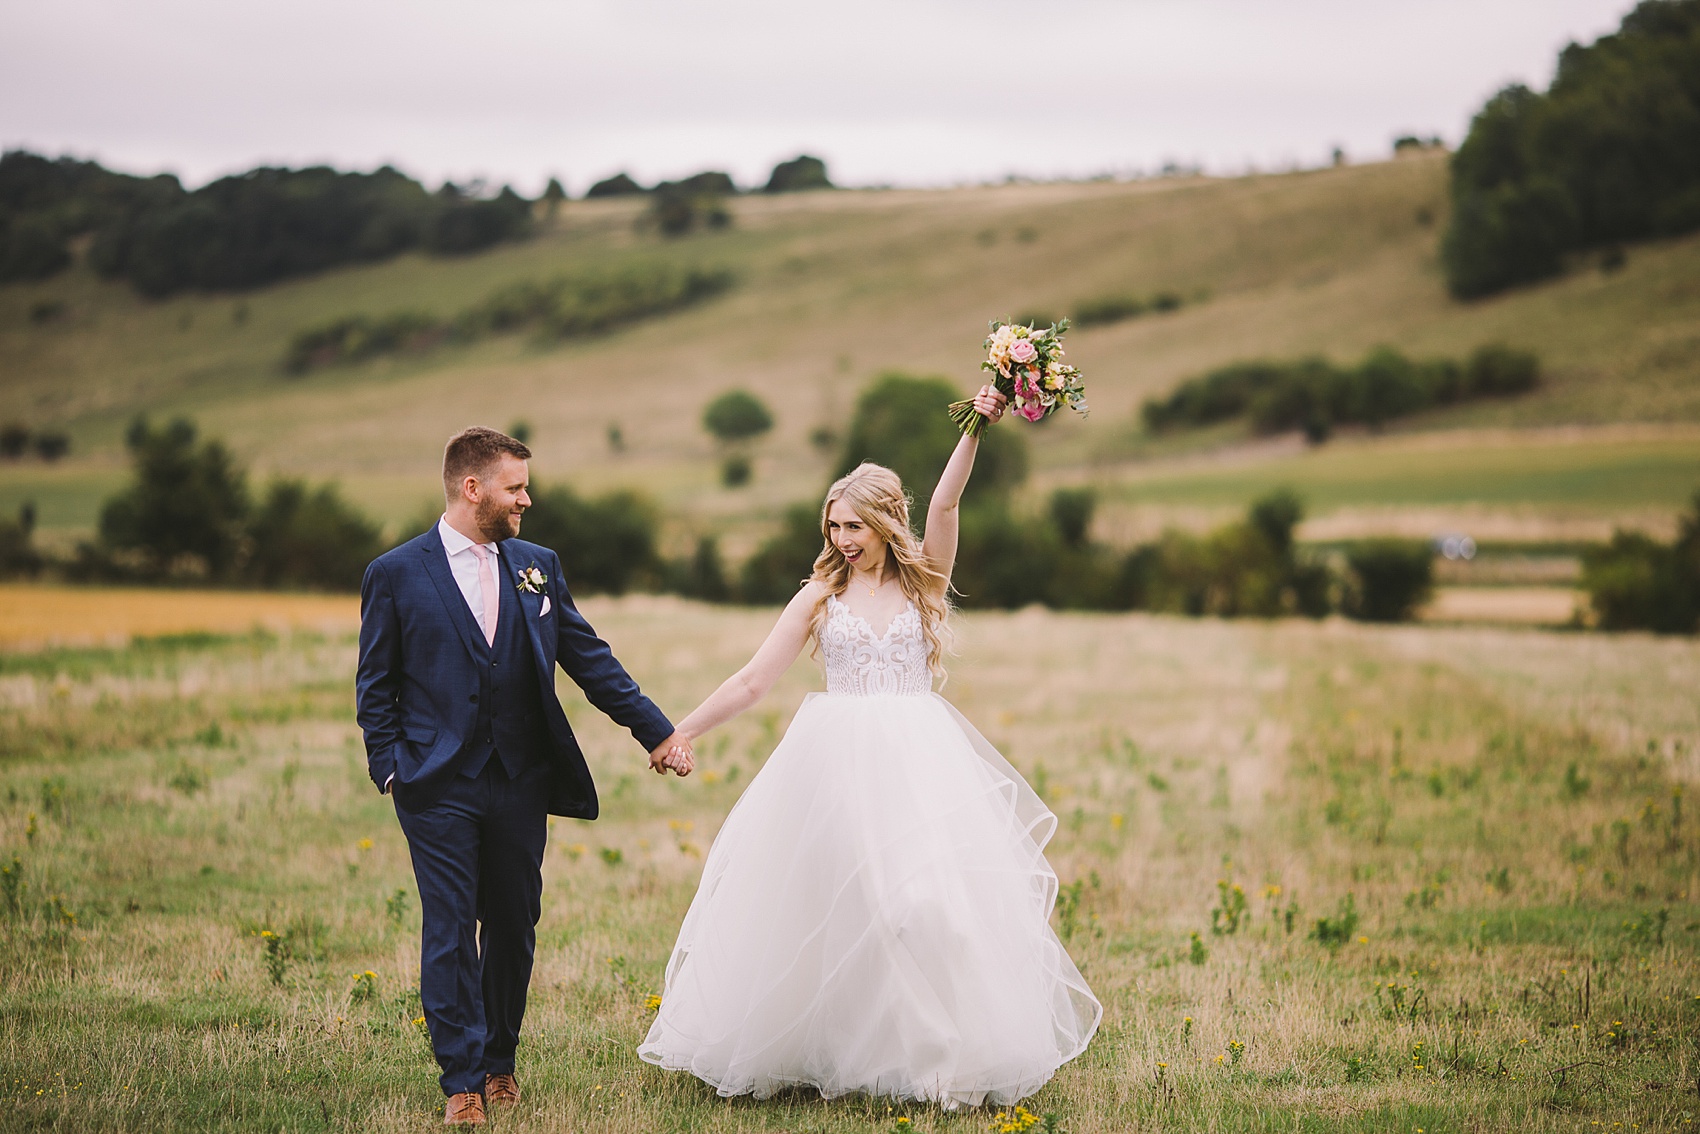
874,914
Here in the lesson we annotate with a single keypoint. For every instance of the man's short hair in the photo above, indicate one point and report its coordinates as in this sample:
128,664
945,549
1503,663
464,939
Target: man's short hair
471,452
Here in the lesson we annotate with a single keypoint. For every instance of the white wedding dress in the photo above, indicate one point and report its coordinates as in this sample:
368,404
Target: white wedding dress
874,914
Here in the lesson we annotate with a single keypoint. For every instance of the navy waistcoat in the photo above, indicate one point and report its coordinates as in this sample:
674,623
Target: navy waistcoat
510,716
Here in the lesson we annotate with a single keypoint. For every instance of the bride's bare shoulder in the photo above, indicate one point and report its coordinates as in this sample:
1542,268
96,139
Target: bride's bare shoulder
811,592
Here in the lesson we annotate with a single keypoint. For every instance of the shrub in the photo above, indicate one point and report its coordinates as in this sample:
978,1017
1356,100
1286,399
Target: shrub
1390,579
308,538
676,211
607,544
562,308
736,470
1497,369
1638,583
1002,560
1250,568
702,575
1107,309
801,172
51,444
18,556
1071,512
736,415
14,440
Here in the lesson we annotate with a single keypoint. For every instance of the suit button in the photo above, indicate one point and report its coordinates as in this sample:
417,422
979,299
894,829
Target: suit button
473,698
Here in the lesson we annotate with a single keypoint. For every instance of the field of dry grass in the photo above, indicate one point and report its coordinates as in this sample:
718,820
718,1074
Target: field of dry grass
1467,858
34,617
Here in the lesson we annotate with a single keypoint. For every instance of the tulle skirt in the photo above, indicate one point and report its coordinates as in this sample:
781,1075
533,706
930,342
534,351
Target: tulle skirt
874,916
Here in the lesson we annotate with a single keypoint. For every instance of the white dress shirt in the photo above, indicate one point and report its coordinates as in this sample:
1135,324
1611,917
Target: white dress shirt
463,564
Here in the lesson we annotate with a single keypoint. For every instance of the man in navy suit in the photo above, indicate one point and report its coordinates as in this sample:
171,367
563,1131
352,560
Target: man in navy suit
460,632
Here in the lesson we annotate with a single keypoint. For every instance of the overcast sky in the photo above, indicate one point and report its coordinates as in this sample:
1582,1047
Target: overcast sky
909,92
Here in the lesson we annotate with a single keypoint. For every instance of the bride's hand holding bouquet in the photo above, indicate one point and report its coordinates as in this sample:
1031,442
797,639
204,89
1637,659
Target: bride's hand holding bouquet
1029,372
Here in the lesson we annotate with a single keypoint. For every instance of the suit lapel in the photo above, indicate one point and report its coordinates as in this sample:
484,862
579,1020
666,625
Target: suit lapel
528,605
437,566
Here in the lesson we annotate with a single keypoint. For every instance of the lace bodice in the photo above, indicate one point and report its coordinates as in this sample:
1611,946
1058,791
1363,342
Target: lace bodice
861,664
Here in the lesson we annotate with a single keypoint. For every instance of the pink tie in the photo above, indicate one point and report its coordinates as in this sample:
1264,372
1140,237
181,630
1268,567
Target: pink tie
487,584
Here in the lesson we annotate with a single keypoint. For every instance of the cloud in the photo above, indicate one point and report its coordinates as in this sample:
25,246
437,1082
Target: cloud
905,91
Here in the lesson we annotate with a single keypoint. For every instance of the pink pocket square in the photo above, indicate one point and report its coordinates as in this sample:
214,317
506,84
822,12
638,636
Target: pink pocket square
545,609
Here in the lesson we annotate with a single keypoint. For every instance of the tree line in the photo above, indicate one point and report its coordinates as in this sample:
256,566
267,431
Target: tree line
270,224
238,232
189,517
1609,153
1315,395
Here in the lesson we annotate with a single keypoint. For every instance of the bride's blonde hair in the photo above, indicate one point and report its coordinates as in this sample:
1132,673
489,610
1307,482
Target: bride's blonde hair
876,493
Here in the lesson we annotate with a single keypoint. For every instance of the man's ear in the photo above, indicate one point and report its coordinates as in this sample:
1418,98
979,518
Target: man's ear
469,486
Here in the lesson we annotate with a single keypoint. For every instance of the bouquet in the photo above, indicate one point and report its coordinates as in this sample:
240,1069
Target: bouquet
1028,370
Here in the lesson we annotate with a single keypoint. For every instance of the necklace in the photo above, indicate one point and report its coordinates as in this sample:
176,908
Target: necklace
873,590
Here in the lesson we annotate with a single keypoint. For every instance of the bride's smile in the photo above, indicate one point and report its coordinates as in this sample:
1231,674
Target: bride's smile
860,546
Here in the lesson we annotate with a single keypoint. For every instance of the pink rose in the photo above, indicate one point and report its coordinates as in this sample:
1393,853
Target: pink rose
1021,351
1032,411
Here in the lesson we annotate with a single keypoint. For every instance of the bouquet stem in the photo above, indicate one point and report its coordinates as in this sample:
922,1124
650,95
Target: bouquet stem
967,418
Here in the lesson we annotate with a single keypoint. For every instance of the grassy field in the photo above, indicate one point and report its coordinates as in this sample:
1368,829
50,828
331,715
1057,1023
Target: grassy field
837,287
1492,822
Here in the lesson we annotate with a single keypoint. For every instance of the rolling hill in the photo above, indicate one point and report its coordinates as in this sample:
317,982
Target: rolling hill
835,287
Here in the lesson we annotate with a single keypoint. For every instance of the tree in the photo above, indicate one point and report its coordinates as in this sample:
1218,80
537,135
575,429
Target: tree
1638,583
553,195
606,543
619,185
801,172
1611,152
900,422
1391,579
736,415
301,537
779,566
186,510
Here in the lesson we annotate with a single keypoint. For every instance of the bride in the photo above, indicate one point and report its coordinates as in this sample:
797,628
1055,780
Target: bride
874,914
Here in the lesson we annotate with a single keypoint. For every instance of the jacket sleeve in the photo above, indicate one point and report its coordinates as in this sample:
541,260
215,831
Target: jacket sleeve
377,679
593,667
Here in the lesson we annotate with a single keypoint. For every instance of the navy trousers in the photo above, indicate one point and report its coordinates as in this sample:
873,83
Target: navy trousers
478,859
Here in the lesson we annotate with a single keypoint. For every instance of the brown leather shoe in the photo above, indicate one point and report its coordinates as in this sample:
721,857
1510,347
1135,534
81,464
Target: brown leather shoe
501,1090
464,1109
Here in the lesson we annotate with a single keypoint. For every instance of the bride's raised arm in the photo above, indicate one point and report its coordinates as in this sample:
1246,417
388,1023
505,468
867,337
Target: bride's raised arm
944,520
750,684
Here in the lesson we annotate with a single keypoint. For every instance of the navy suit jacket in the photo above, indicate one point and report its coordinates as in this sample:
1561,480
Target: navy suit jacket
421,678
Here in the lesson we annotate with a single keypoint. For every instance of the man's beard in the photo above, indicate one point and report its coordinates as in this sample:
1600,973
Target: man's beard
494,521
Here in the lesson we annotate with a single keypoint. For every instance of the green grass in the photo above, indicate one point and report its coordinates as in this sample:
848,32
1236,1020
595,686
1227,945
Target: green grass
1501,806
1587,474
834,288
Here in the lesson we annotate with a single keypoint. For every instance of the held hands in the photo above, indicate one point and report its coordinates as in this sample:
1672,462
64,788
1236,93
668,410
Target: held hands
988,403
674,754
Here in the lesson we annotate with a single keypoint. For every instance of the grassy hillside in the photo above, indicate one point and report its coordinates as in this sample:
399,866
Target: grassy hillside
837,287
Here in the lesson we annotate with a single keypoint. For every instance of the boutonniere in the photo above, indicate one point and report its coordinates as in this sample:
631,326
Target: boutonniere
532,580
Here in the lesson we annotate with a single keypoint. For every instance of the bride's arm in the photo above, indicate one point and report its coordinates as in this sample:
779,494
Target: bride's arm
744,688
943,518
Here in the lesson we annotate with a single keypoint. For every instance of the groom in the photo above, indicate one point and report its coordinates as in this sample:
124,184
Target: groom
460,632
